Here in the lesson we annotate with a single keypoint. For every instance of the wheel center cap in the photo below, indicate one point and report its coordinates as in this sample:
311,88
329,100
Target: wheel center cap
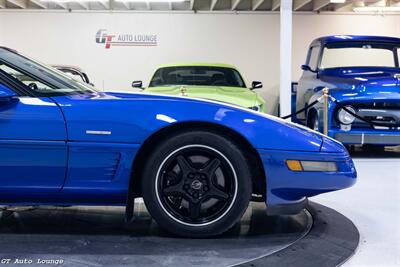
196,184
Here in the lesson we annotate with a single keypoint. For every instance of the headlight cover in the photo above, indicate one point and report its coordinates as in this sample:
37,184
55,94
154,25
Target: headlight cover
344,117
311,166
256,108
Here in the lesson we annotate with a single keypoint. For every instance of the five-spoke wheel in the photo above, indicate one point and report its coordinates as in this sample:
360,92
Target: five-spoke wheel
197,184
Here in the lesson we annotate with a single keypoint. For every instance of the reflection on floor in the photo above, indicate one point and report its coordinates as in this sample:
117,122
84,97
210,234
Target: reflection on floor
98,237
373,204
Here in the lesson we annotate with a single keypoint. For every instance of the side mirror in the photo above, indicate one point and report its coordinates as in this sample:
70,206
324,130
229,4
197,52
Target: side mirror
137,84
256,85
86,79
307,68
6,94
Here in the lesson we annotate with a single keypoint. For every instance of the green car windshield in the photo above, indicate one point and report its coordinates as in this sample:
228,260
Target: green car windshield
197,76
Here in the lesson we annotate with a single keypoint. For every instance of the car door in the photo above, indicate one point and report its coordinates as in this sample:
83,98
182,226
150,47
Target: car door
33,151
308,80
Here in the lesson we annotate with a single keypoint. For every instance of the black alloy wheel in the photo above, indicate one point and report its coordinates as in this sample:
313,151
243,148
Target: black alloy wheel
197,184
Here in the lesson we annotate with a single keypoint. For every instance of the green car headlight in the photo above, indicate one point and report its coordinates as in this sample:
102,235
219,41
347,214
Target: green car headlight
256,108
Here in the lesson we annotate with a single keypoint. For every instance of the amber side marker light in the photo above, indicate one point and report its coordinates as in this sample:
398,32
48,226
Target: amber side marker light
294,165
311,166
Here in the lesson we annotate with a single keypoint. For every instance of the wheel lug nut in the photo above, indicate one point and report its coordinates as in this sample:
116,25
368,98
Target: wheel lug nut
196,195
206,188
191,175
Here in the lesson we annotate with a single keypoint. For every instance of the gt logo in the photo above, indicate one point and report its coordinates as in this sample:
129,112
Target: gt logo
5,261
103,38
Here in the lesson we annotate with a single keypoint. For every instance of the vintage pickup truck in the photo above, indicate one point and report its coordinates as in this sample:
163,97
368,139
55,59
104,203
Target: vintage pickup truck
363,75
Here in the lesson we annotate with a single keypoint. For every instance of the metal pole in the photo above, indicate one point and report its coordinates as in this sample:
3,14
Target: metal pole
285,97
326,103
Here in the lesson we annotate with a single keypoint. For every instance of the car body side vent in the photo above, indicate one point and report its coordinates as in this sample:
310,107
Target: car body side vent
111,170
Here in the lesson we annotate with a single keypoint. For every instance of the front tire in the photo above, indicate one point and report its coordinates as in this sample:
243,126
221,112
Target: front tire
197,184
374,148
313,121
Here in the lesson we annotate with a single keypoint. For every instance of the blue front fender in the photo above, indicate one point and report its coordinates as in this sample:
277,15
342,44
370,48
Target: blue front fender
132,118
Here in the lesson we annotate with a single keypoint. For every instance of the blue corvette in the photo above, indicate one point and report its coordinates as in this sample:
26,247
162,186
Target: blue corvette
363,74
196,163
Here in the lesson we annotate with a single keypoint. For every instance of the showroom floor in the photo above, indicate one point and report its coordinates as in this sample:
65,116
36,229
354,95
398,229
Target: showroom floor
373,205
97,236
84,237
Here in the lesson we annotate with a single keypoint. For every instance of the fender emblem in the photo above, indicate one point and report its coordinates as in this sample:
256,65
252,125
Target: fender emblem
98,132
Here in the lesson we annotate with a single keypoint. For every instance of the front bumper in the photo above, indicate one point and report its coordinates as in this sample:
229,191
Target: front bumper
292,208
376,137
287,189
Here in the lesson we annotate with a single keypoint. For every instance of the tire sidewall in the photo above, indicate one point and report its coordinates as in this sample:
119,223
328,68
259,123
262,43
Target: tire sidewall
214,141
313,119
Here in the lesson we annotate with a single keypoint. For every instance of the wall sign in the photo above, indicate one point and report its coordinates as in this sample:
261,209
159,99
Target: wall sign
125,39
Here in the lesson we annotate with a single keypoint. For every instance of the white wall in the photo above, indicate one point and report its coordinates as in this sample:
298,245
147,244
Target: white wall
251,42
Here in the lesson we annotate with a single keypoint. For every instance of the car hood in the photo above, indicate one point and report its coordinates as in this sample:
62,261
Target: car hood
235,95
110,113
363,83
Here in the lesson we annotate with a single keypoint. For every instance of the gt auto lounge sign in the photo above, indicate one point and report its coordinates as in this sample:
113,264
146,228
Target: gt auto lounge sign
109,40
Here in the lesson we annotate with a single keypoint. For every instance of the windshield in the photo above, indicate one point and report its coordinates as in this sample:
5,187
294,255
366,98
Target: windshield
360,55
197,75
39,78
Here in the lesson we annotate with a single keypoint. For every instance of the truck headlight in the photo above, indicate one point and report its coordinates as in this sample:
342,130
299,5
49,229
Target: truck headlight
344,117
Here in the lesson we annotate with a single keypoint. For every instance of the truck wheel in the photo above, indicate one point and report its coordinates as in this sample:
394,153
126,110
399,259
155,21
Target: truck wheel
313,121
374,148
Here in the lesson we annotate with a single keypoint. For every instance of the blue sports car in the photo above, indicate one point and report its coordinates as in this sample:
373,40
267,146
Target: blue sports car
196,163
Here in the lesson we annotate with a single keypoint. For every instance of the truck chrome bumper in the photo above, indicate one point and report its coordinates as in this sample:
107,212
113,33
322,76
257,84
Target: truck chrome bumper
368,138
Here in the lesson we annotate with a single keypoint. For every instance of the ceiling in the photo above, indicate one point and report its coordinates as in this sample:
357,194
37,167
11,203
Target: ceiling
194,5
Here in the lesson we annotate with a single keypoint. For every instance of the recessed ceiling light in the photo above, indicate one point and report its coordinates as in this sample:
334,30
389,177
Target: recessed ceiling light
377,9
73,1
151,1
338,1
138,1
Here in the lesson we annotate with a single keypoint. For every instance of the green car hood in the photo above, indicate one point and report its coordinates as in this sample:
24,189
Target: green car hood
234,95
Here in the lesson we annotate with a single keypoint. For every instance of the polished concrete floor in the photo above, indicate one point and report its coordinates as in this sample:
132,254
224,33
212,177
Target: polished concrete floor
87,236
97,237
373,204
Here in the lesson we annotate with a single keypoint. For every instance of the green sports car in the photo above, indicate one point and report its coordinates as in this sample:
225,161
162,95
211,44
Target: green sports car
219,82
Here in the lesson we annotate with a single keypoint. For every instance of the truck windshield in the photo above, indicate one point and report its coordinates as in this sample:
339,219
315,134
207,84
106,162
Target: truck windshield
197,75
360,55
38,78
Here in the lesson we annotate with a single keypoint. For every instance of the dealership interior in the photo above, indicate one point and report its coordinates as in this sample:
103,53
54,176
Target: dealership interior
327,66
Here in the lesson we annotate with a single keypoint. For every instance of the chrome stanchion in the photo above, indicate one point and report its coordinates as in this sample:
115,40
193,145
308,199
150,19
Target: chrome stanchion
326,103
